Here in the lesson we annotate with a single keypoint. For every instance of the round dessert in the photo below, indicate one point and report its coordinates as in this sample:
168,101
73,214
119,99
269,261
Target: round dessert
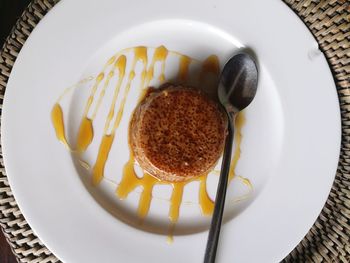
177,133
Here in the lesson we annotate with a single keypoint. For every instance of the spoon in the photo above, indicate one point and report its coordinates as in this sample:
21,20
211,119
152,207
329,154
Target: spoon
237,88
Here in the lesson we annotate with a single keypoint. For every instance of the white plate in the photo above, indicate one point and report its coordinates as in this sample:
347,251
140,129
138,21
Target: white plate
290,142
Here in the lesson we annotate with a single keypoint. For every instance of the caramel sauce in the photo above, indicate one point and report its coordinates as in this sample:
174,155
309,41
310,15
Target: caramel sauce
58,124
160,55
130,180
205,203
69,89
102,93
120,66
85,134
239,123
140,54
246,181
184,64
170,237
98,169
98,80
175,201
210,65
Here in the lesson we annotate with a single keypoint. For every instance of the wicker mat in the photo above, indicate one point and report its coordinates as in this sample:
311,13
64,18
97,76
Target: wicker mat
327,241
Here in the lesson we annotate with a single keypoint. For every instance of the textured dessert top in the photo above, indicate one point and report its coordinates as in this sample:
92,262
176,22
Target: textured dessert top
177,133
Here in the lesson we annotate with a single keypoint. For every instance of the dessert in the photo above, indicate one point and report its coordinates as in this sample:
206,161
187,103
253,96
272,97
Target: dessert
177,133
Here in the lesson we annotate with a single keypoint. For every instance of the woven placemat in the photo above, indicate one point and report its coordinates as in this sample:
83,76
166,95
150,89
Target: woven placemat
329,238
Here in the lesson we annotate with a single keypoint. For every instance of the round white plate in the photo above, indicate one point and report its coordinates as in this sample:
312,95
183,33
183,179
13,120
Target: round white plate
290,144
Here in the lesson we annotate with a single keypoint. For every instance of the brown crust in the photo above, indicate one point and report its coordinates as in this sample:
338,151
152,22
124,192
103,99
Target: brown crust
177,133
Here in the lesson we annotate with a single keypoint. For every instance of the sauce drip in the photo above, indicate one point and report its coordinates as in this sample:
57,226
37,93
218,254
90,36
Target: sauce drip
102,156
90,100
170,237
130,181
85,134
239,123
175,201
246,182
209,75
185,62
160,55
140,54
120,66
210,66
58,124
205,203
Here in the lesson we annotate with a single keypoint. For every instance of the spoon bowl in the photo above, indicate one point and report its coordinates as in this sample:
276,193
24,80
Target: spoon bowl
238,83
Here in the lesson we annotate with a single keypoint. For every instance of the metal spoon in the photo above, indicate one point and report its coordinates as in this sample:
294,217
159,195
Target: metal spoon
237,88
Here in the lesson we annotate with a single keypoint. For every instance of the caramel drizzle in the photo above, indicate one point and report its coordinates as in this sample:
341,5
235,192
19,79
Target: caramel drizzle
184,65
175,201
239,123
160,55
85,133
140,54
58,124
57,114
129,179
210,66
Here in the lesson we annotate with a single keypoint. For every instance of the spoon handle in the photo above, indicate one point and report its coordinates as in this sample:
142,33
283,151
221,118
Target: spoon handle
214,231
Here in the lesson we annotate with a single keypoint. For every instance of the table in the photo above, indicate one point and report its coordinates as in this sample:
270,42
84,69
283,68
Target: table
10,10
